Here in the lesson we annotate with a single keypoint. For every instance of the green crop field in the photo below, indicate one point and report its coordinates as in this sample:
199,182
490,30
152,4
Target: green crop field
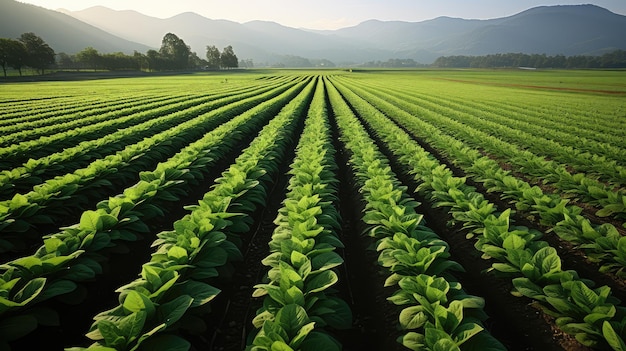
315,210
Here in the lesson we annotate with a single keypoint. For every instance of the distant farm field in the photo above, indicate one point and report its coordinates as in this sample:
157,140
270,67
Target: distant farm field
315,210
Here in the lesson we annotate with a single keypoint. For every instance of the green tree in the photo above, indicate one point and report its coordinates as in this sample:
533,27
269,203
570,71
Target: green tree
65,61
228,58
153,58
196,62
246,63
213,57
12,54
39,54
142,60
175,51
89,57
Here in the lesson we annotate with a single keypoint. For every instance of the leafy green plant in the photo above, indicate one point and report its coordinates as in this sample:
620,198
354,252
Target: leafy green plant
202,241
437,316
302,258
517,248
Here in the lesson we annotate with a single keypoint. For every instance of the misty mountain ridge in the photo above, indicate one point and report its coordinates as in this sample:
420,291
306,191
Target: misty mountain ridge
62,32
551,30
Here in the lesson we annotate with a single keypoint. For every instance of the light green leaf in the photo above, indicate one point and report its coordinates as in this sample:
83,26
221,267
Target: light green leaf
90,221
291,318
614,340
320,282
413,317
136,302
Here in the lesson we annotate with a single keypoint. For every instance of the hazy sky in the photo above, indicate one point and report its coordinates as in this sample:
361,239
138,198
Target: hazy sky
324,14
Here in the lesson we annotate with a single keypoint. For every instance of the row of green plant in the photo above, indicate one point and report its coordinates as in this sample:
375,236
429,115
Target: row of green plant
439,315
21,130
601,160
43,146
157,122
23,212
299,301
73,255
58,108
70,119
603,126
601,243
570,126
38,113
565,147
176,282
35,171
593,114
33,149
533,109
583,188
592,315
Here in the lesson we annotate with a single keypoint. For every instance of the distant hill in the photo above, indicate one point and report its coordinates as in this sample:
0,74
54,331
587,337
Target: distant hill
551,30
62,32
262,41
567,30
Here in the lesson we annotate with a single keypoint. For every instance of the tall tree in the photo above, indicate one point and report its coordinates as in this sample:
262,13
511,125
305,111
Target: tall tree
89,58
142,60
213,57
39,54
196,62
65,61
174,50
12,54
228,58
154,60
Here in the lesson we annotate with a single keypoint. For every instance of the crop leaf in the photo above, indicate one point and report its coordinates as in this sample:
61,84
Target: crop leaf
301,335
200,292
611,336
326,260
412,340
317,341
321,281
280,346
132,325
584,296
465,331
30,291
166,342
172,311
291,318
16,327
413,317
111,334
136,302
334,311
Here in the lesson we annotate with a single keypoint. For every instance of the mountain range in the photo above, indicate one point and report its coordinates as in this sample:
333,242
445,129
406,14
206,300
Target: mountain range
565,29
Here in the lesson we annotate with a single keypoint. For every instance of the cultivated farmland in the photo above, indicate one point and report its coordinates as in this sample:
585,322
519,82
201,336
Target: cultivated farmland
315,210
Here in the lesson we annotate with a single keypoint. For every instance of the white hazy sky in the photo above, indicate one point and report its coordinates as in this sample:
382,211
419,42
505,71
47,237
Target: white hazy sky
324,14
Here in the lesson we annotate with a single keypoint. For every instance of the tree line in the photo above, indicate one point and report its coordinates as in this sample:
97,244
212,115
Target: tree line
31,51
615,59
394,63
28,50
